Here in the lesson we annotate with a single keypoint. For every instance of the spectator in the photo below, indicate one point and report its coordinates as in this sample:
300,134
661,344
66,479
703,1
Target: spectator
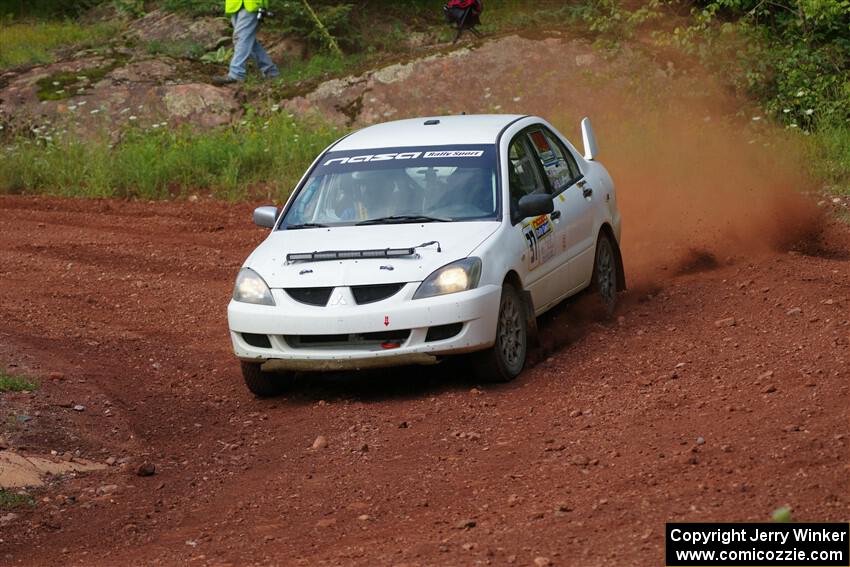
245,16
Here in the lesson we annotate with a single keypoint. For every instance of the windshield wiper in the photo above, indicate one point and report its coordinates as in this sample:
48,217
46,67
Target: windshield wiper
399,219
306,225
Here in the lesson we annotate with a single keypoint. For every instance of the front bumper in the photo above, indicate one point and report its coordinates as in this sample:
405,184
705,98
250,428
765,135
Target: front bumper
475,311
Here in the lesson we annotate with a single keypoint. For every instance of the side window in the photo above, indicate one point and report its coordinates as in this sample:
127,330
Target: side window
557,161
524,175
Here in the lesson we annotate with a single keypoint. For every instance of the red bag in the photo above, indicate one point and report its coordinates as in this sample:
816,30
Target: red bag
476,5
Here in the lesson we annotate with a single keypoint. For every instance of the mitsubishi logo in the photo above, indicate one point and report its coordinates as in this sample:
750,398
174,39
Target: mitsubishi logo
337,299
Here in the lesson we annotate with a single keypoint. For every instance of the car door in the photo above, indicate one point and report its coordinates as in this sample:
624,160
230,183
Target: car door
573,214
526,177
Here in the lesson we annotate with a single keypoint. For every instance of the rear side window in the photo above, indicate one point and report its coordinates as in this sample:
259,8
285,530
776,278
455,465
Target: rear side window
557,161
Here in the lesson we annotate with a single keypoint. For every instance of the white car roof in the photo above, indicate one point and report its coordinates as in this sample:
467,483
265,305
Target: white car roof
451,130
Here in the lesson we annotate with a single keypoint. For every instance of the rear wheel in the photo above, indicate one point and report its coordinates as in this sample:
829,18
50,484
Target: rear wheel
262,384
505,360
604,282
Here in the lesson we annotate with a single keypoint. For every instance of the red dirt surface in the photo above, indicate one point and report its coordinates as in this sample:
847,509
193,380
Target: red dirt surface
666,414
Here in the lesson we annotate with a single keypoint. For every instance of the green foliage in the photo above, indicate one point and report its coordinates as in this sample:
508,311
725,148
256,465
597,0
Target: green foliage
612,18
791,56
259,157
294,19
46,8
794,57
219,56
178,48
13,501
195,7
130,8
35,43
9,383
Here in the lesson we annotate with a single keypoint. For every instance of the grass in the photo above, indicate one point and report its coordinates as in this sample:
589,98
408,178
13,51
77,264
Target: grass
319,66
260,157
35,43
829,155
13,501
9,383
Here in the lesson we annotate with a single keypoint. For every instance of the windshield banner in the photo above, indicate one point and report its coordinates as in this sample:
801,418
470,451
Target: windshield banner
482,156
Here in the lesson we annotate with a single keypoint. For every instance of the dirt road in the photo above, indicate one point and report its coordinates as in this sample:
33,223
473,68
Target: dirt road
672,412
720,393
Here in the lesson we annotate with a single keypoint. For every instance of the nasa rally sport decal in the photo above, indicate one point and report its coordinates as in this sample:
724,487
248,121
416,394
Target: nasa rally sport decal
538,238
405,155
480,155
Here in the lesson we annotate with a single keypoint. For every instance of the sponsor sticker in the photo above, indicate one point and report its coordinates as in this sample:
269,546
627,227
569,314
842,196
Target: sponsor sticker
541,247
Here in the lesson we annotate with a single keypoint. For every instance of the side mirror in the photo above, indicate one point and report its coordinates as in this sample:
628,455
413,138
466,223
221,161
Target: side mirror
535,205
591,150
266,216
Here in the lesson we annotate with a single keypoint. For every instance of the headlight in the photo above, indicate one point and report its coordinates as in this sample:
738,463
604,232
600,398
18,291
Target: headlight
251,288
451,278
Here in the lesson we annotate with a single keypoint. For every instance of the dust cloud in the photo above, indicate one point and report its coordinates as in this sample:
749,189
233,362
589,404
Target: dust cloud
699,182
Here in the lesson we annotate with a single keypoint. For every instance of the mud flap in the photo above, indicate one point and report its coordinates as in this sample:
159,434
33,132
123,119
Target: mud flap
531,320
621,271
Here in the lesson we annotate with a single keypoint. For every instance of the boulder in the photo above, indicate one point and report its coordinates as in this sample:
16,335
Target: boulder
158,25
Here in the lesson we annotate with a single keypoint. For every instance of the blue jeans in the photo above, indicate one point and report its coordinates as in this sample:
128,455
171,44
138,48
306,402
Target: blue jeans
245,45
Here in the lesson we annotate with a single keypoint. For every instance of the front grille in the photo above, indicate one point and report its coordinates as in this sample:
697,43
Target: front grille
372,293
443,332
351,340
310,295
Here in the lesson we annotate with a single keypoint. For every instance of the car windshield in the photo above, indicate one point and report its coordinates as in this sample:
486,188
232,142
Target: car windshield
398,185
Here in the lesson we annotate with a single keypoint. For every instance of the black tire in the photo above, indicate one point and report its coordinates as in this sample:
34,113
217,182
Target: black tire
263,384
506,359
604,284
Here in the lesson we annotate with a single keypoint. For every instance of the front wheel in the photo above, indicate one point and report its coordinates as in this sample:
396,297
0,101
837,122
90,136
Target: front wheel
505,360
262,384
604,281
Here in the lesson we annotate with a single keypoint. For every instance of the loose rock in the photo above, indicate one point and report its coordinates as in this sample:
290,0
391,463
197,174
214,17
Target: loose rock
580,460
321,442
106,489
146,469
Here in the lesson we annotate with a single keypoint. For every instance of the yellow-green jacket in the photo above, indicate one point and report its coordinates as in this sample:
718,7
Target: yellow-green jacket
233,6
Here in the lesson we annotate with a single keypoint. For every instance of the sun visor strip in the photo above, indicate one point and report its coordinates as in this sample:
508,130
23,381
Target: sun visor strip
326,255
350,254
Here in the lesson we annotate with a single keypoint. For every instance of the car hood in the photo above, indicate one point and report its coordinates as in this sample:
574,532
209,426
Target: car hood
456,239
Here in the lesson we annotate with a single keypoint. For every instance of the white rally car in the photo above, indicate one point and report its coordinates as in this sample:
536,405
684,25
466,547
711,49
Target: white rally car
412,240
